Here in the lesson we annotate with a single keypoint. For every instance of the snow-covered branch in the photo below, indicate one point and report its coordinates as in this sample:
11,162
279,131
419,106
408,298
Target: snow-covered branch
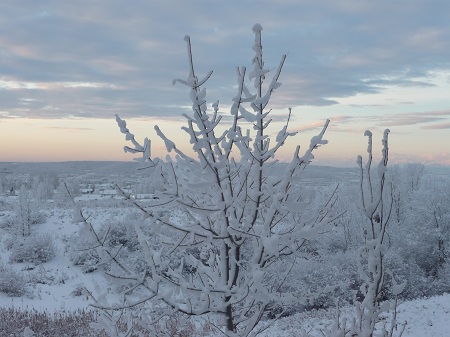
229,221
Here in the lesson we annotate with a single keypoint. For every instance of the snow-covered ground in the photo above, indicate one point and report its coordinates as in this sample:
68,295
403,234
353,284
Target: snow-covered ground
57,284
427,317
424,317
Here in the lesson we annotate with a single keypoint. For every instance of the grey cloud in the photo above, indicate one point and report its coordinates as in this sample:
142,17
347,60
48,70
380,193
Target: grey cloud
437,126
335,49
399,82
413,118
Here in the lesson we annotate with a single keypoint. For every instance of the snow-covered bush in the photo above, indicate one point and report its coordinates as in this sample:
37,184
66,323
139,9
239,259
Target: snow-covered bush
34,249
3,205
427,225
12,282
442,284
82,255
331,276
27,214
234,221
8,221
113,233
421,236
121,233
405,267
177,325
40,275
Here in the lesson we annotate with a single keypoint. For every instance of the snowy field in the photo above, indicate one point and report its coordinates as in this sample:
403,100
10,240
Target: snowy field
428,317
58,284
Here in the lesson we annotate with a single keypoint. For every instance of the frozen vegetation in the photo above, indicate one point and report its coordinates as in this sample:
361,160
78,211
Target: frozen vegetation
225,240
55,279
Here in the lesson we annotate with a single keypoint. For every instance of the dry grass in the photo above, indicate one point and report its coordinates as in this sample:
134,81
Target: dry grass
13,321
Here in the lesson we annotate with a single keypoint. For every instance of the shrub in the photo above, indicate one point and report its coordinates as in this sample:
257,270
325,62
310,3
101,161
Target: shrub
12,282
9,221
14,222
122,233
35,249
82,256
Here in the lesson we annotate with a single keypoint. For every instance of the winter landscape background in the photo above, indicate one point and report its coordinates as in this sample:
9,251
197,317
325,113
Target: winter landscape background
229,223
46,271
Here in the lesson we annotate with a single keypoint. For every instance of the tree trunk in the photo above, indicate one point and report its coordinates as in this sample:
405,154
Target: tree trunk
229,315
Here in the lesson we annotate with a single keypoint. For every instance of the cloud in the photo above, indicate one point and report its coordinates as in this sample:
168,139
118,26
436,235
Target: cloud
437,126
400,122
12,84
353,130
341,119
308,127
399,82
123,58
410,118
69,129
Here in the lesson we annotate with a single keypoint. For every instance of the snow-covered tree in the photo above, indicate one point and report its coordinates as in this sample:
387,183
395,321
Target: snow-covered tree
44,186
427,226
405,181
377,206
234,215
28,212
9,184
67,189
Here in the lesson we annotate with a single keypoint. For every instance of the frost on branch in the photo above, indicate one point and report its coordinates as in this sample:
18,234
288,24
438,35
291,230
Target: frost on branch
138,148
377,201
230,222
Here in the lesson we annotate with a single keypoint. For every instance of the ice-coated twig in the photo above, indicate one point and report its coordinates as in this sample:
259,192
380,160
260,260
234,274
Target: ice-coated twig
228,220
376,200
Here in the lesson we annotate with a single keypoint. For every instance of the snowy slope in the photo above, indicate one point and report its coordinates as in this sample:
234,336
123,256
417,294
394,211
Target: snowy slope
57,283
428,317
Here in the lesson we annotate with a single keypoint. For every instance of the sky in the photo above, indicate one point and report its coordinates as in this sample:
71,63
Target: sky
67,67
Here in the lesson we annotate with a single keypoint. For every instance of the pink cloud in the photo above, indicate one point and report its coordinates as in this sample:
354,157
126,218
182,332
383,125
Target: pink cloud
308,127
